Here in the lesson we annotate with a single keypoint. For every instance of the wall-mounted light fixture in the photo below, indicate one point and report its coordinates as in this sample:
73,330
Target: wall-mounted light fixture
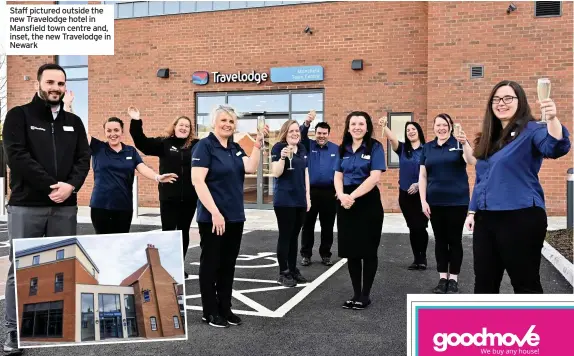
357,64
163,73
511,8
308,30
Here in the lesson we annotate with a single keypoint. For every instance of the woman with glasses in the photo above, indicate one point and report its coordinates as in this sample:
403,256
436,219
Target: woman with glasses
177,202
507,211
291,198
218,173
360,215
444,194
409,198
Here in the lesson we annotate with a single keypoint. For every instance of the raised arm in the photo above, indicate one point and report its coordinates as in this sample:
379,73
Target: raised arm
552,141
251,163
148,146
389,134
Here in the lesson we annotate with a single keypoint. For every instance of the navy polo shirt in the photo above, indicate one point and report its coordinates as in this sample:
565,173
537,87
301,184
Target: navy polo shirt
508,180
409,168
224,179
113,175
357,166
447,180
289,189
322,160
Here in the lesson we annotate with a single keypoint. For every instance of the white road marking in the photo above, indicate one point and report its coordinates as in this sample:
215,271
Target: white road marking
252,304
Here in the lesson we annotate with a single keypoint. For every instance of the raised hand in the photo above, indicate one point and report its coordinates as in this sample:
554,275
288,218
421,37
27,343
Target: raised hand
134,113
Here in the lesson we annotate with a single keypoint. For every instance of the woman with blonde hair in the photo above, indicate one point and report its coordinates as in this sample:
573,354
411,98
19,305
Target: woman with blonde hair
177,201
291,198
218,174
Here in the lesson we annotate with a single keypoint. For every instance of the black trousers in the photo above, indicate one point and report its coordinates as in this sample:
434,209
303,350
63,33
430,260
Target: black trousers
177,215
448,223
417,222
107,221
289,221
509,240
217,266
324,204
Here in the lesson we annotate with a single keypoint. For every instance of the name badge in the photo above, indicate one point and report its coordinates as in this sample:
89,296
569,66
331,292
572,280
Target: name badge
128,158
366,156
238,154
69,128
305,157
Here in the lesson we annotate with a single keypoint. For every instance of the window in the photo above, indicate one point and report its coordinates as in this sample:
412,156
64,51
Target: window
176,322
42,319
397,123
131,317
34,286
153,323
127,9
88,327
59,283
76,68
36,260
60,255
93,271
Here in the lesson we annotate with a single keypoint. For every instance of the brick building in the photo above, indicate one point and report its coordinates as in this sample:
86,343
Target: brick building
418,59
60,298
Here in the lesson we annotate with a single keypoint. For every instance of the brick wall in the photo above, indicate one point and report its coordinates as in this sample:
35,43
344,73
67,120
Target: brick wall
46,275
416,56
148,309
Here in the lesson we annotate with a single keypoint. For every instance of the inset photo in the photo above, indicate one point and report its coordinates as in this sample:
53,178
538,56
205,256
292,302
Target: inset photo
95,289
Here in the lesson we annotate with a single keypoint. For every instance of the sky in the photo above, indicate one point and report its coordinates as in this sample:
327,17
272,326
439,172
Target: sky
119,255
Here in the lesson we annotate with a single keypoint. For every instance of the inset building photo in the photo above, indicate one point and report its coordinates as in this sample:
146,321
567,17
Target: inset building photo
111,288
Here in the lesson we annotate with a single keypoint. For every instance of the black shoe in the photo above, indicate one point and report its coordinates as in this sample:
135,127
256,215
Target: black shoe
349,304
218,321
286,280
11,344
422,266
298,277
305,261
441,287
362,303
452,287
233,319
326,261
413,267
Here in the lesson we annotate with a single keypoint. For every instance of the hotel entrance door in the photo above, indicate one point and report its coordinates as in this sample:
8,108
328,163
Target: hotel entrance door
111,327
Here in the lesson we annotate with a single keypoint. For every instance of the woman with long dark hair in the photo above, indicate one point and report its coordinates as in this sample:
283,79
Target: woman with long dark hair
409,198
291,198
444,193
360,215
507,211
177,202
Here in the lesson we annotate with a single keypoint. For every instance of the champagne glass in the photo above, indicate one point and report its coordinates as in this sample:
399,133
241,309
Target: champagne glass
261,128
457,131
290,156
543,94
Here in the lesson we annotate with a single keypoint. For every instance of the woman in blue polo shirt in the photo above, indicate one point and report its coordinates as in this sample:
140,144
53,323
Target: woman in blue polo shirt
507,210
114,165
444,192
291,199
360,214
218,172
409,198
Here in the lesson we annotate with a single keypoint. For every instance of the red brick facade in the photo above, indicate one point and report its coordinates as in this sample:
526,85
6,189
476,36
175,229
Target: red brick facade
417,59
73,271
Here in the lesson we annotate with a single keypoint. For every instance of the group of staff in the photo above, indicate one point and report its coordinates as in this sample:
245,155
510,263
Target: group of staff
312,178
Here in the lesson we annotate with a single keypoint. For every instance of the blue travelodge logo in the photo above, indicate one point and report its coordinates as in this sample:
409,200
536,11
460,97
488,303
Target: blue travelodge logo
200,78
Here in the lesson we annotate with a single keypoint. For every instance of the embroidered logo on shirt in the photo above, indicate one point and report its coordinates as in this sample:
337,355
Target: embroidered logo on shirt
313,151
195,159
37,128
128,158
69,128
332,155
366,156
239,153
173,149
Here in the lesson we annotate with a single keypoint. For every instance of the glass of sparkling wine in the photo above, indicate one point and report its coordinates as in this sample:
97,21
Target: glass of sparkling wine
261,128
543,94
290,156
457,131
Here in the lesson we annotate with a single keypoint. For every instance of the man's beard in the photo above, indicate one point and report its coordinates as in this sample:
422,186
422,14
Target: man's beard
44,95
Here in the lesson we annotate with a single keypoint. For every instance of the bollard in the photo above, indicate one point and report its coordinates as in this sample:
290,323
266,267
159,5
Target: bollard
570,198
135,197
2,198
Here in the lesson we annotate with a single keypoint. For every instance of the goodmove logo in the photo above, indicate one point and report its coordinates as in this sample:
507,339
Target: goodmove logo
442,340
200,78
